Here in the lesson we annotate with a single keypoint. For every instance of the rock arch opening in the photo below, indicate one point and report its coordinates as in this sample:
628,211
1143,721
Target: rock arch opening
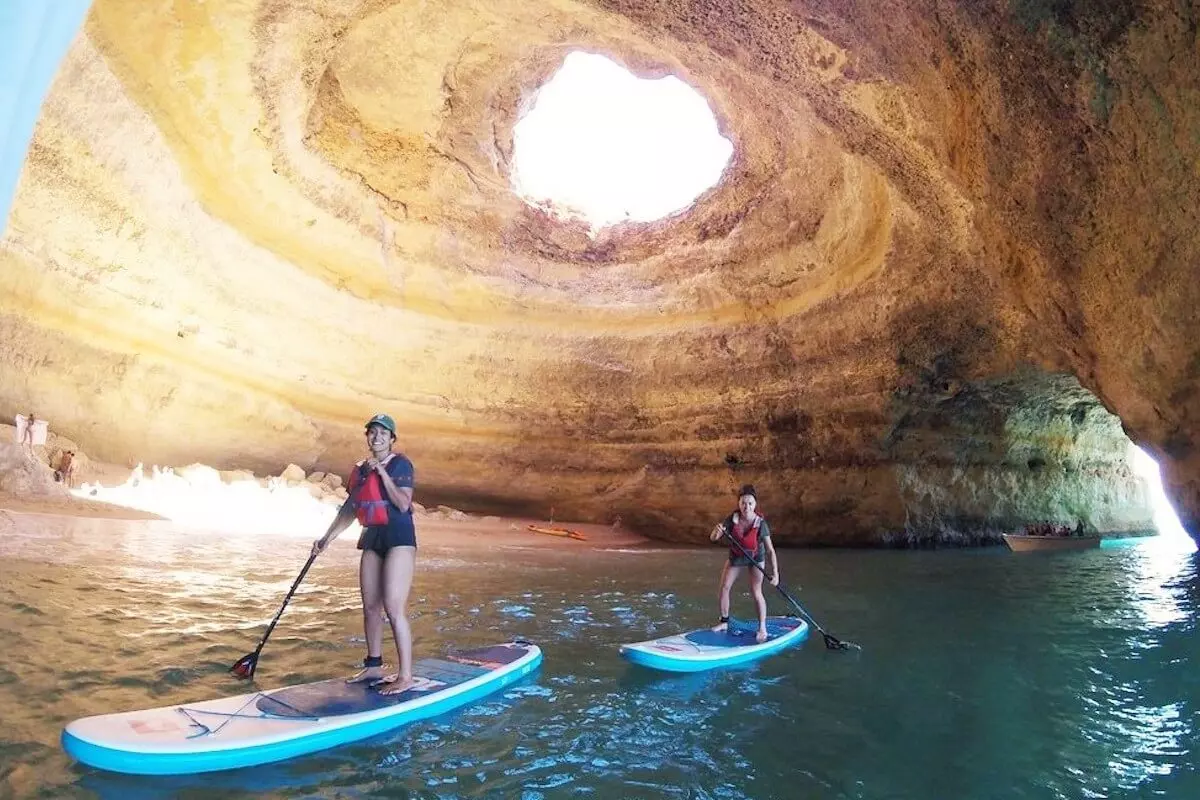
604,146
1166,521
981,458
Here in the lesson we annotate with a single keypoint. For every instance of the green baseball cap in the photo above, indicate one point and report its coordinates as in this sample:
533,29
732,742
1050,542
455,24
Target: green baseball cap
382,420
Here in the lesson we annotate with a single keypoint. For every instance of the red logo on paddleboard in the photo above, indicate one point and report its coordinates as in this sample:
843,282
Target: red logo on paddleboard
670,648
143,727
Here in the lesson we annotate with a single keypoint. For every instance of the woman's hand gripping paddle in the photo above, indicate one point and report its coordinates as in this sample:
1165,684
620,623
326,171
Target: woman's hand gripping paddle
245,666
831,641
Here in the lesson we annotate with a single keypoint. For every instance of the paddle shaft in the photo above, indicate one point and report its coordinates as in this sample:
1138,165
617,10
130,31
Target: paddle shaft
286,600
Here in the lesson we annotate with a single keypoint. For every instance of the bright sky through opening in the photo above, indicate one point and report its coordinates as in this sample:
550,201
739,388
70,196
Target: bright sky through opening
603,145
1165,518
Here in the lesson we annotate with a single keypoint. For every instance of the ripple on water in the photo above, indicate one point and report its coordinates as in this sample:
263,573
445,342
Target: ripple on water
514,609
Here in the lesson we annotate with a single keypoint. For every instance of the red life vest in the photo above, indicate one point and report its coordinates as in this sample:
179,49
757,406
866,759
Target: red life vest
370,499
745,535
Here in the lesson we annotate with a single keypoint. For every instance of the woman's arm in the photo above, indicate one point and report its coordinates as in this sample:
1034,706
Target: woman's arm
723,527
345,516
773,560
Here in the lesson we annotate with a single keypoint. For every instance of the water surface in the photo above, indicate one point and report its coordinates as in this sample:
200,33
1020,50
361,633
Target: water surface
984,674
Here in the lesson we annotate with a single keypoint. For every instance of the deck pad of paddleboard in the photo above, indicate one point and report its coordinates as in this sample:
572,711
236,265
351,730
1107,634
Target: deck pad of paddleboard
742,634
333,697
262,727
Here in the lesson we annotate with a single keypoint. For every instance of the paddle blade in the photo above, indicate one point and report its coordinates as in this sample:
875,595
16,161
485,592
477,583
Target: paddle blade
834,643
245,666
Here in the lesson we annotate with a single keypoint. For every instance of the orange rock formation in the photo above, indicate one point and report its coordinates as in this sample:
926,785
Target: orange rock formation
245,226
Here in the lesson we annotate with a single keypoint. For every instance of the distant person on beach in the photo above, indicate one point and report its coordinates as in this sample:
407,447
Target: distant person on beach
750,534
27,434
380,495
66,468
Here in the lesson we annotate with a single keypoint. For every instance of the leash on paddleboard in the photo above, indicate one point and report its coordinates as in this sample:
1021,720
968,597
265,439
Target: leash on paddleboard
244,667
831,641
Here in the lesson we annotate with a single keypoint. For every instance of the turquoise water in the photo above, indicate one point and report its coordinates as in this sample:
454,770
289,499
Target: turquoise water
984,674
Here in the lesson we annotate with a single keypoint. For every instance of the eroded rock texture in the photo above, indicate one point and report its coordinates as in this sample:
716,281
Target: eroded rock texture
245,226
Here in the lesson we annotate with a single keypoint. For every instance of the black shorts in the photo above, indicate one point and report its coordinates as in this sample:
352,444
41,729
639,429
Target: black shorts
739,560
382,538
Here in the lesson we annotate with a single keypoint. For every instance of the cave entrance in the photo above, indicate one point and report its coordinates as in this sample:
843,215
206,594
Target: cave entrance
975,459
604,146
1165,519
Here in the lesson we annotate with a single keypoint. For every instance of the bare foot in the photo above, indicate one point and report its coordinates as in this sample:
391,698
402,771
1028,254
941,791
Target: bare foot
720,627
393,684
367,674
761,636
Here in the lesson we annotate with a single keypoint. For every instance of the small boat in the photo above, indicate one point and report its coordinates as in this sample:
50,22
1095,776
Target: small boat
1022,543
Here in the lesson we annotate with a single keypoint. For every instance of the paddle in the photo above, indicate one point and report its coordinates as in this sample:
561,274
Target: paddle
245,666
831,641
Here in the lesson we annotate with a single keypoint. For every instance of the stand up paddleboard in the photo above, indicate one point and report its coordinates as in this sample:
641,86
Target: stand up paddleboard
706,649
263,727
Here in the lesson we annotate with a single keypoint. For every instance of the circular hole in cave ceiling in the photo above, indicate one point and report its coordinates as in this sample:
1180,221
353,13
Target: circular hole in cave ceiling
604,146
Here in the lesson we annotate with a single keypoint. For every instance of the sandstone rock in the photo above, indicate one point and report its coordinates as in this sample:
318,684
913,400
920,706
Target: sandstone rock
447,512
331,481
23,475
999,454
316,477
915,208
238,476
292,474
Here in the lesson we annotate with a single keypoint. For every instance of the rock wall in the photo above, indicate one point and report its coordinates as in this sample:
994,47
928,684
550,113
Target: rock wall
24,475
245,227
978,460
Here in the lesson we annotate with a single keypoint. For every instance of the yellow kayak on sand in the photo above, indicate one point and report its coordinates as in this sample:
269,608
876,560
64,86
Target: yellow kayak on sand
564,532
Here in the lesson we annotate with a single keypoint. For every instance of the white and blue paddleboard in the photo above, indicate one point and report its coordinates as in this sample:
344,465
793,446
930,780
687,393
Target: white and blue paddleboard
263,727
706,649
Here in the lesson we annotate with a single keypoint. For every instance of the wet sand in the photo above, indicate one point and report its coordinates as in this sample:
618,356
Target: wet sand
486,532
71,507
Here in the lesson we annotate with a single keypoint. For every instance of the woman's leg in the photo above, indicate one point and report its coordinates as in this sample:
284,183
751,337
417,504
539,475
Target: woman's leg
760,603
398,570
729,574
370,585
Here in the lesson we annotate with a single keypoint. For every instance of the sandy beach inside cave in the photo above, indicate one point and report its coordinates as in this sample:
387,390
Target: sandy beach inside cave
72,507
297,504
478,533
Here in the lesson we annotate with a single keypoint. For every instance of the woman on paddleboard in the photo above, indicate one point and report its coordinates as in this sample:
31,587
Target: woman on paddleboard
380,496
750,535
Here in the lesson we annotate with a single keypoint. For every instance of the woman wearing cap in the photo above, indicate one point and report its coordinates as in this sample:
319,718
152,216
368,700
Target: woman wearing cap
749,533
380,497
